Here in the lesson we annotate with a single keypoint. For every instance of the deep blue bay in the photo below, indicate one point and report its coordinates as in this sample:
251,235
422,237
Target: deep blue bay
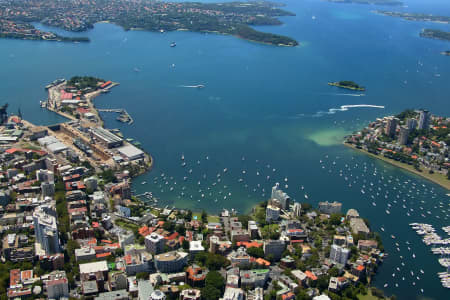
265,108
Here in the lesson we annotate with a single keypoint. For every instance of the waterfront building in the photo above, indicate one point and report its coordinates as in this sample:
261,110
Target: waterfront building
171,262
274,248
358,226
106,138
272,213
411,124
352,213
424,119
403,136
339,254
154,243
130,152
46,230
391,126
281,196
330,207
297,210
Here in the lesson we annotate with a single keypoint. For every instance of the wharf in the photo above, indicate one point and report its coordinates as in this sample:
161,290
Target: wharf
124,117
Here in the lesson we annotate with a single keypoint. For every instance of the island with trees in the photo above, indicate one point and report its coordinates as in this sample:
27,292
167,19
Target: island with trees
415,16
233,18
346,84
435,34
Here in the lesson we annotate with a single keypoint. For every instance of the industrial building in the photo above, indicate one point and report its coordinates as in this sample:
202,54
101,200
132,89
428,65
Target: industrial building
106,138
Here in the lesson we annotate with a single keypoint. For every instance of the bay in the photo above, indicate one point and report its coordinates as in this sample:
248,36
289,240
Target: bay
266,106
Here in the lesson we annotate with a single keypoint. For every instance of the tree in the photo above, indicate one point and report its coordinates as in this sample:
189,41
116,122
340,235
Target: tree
244,220
215,279
204,217
142,275
188,215
255,252
185,244
210,293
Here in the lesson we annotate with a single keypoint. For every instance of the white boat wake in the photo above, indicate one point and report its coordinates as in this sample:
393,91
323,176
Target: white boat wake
198,86
341,94
332,111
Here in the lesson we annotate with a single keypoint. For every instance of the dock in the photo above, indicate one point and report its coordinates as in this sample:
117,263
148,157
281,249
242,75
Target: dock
124,116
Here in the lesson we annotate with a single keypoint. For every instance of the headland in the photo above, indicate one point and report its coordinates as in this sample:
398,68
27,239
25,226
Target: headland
413,140
233,18
435,34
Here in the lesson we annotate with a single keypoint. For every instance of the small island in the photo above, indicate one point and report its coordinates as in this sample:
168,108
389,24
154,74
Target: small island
346,84
446,53
435,34
415,16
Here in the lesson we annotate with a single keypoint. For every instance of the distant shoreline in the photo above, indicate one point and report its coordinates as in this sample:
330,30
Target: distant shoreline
435,178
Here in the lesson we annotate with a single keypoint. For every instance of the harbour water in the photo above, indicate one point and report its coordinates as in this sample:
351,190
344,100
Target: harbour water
266,111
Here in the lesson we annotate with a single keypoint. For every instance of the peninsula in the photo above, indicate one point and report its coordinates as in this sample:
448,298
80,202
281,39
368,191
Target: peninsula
233,18
414,140
415,16
371,2
346,84
435,34
73,99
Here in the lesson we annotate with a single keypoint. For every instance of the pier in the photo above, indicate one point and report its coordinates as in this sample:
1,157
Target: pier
124,116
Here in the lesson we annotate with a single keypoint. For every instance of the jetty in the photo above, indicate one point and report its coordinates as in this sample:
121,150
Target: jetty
124,116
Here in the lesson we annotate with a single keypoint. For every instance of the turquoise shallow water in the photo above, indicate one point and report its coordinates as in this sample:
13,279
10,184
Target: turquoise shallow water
269,106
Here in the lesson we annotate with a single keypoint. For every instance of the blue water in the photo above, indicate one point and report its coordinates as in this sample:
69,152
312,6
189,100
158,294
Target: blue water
259,108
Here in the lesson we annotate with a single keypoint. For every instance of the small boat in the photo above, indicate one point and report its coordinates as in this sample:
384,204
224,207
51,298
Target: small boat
144,182
173,44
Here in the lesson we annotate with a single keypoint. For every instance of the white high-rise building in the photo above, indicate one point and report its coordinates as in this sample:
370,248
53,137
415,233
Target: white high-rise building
154,243
424,119
281,196
297,209
272,213
46,230
339,254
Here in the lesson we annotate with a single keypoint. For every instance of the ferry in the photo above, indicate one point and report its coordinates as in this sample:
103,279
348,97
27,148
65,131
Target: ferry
173,44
